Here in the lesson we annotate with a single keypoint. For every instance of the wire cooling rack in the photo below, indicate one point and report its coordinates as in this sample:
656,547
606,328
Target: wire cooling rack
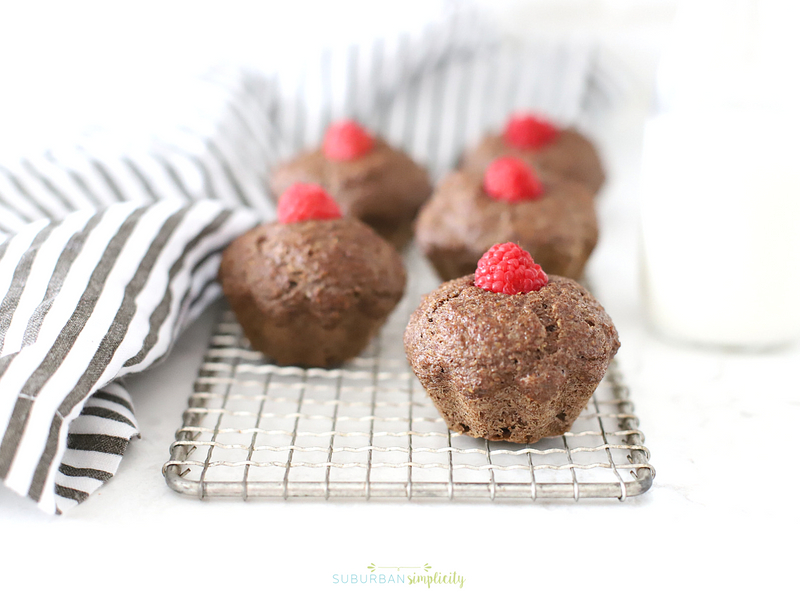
368,430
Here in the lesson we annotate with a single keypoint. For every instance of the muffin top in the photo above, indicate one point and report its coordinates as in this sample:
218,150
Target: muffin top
570,155
461,214
477,342
323,268
380,187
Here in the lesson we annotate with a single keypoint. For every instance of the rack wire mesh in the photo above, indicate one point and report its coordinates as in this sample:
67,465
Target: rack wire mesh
368,430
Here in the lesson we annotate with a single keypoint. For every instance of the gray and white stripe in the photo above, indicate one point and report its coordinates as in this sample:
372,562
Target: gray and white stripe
91,458
117,310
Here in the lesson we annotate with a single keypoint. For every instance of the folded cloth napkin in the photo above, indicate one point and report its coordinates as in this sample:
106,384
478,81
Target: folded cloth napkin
86,301
109,249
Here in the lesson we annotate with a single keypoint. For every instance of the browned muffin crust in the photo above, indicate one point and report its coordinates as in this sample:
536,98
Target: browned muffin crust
312,293
571,155
384,188
514,368
461,222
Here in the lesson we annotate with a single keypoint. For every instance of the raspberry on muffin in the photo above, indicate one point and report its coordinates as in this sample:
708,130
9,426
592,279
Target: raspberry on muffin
312,288
370,180
510,180
526,131
346,140
508,269
307,202
517,364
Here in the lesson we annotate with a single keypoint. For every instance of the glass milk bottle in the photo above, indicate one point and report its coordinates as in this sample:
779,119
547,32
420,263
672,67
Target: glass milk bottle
720,195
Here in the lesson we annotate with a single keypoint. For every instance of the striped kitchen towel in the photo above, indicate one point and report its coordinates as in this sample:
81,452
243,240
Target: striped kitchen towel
85,301
109,247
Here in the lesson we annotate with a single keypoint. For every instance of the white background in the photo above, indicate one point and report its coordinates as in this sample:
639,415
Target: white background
719,520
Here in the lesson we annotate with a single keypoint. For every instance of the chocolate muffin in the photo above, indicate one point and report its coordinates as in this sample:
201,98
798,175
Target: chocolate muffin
558,226
370,180
514,367
314,291
564,152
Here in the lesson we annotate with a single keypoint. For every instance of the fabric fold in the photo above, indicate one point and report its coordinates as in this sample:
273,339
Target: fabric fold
106,294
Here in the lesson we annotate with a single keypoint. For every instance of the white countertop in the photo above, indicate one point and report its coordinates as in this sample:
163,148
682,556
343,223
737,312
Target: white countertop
719,427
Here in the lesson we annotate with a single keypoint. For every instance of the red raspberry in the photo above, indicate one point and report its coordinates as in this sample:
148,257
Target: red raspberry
346,140
508,269
306,202
509,179
529,132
